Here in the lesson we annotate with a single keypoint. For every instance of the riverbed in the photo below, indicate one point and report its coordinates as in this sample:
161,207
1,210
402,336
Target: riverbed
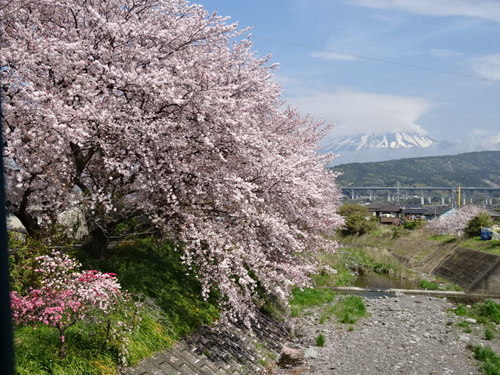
406,334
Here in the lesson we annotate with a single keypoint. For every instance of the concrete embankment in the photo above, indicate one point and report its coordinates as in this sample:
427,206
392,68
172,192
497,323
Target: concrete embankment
475,271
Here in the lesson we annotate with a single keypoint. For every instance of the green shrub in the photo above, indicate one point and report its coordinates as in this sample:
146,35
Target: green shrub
414,224
23,265
474,225
358,219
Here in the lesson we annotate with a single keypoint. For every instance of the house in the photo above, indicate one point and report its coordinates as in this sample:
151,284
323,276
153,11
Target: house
390,215
439,211
413,212
399,214
374,207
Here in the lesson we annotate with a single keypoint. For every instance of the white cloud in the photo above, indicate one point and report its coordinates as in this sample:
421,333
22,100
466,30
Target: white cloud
487,66
482,140
487,9
356,112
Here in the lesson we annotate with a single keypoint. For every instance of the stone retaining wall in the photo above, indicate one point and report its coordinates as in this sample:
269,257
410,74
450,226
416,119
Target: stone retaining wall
473,270
227,351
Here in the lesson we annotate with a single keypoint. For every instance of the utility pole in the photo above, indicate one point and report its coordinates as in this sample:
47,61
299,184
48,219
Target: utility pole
6,334
398,185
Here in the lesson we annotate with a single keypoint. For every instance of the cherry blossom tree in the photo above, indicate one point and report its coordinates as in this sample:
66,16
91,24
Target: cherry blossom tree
158,108
456,222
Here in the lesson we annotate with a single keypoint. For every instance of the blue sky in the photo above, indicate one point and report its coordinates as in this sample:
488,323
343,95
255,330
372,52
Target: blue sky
385,65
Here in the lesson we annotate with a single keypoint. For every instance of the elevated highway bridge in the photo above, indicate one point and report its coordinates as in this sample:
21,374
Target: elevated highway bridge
427,195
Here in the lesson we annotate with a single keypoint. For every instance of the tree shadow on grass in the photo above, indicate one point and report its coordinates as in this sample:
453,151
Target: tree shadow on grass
153,268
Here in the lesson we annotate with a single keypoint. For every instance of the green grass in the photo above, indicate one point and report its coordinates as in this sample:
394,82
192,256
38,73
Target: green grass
320,340
444,238
347,311
308,297
486,312
37,353
153,269
475,243
490,361
488,334
429,285
37,350
343,275
460,310
377,259
171,307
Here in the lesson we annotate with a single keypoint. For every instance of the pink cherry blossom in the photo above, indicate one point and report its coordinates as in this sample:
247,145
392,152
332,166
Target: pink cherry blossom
456,222
157,108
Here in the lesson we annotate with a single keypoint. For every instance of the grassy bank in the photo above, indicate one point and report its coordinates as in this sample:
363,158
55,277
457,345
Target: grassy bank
169,306
475,243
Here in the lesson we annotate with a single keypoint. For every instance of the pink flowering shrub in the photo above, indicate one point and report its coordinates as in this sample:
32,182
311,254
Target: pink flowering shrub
66,296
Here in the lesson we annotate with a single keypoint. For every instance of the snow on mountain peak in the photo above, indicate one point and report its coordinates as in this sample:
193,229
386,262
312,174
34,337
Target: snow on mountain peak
384,140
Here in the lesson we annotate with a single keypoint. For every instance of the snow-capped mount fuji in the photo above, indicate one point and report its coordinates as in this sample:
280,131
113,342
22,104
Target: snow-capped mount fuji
382,140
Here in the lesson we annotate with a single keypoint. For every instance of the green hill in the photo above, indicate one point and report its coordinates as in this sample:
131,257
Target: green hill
474,169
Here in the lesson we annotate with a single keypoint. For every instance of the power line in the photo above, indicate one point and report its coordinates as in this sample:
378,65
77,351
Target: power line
377,60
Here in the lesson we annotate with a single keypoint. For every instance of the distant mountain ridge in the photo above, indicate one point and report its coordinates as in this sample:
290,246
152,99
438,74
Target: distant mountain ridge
474,169
383,140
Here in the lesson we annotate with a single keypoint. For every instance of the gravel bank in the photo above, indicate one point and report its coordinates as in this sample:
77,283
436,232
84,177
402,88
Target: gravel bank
411,335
